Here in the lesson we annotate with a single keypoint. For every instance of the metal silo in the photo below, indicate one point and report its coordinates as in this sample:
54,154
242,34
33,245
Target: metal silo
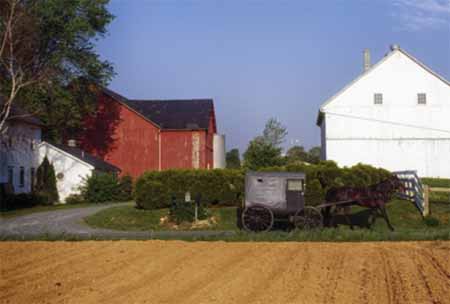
219,151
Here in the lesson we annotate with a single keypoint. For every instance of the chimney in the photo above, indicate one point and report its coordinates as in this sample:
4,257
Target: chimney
72,143
366,60
394,47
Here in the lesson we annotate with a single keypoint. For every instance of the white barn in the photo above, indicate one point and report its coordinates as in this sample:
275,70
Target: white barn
396,115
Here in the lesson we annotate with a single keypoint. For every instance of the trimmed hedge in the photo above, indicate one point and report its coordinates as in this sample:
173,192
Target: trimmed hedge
155,189
225,186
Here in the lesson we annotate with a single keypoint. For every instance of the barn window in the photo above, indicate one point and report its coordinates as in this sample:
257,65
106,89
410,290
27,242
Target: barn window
422,98
378,98
22,177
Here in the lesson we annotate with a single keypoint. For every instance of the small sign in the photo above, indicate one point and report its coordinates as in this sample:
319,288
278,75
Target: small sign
187,196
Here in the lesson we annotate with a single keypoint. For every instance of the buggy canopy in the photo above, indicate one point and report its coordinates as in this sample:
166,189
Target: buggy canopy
269,188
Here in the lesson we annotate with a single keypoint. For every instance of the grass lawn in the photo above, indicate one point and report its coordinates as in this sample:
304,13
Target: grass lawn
407,221
26,211
133,219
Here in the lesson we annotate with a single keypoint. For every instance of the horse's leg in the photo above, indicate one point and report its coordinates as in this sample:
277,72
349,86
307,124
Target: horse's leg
372,217
386,218
334,212
326,216
329,217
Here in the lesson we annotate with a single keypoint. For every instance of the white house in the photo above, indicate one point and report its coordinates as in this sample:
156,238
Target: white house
396,115
72,166
21,153
18,156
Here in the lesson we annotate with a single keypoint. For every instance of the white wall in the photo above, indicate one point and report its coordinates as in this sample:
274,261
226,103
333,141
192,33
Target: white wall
71,171
399,134
24,139
429,157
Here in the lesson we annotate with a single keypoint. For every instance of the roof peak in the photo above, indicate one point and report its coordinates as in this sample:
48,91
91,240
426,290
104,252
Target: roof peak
395,48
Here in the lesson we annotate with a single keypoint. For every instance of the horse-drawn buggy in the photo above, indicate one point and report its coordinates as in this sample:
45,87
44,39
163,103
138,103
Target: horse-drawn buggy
277,196
280,197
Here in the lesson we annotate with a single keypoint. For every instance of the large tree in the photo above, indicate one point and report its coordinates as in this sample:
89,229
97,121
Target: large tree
261,154
45,46
274,132
314,155
233,159
296,154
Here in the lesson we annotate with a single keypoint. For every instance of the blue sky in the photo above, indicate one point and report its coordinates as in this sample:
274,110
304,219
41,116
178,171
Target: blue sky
262,59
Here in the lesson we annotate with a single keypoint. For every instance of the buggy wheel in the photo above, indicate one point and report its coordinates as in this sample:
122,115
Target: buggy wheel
308,218
257,219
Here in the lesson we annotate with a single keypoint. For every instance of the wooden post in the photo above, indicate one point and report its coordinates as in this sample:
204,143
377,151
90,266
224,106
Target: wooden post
426,200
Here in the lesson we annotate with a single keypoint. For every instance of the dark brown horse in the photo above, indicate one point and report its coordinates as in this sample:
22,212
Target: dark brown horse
374,197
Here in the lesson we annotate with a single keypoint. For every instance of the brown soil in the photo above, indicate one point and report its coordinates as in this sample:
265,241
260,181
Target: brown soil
219,272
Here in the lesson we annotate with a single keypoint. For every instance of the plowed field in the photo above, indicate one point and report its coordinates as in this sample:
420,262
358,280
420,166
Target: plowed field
218,272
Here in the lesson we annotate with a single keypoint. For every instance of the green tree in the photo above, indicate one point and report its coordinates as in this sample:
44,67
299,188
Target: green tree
46,183
233,159
296,154
313,156
274,132
45,45
262,154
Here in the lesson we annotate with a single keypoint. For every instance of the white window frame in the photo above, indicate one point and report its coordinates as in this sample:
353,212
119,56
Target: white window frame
378,99
422,99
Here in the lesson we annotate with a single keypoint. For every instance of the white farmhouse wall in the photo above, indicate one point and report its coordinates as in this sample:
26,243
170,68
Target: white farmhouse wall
71,172
18,150
399,134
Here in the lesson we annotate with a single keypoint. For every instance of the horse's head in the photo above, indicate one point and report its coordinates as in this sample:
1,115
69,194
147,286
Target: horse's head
396,184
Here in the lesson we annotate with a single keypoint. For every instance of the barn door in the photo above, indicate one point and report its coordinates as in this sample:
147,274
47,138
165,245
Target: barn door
294,194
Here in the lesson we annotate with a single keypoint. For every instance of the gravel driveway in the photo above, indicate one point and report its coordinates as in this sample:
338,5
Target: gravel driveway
70,222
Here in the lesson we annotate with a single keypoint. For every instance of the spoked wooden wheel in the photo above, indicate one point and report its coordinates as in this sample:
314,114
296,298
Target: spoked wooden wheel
257,219
308,218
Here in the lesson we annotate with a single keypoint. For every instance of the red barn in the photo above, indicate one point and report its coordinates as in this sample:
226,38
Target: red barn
142,135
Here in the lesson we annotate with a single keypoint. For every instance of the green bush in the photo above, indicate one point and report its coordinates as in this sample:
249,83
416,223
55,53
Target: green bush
125,188
102,187
185,212
75,199
20,201
46,183
221,186
432,221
